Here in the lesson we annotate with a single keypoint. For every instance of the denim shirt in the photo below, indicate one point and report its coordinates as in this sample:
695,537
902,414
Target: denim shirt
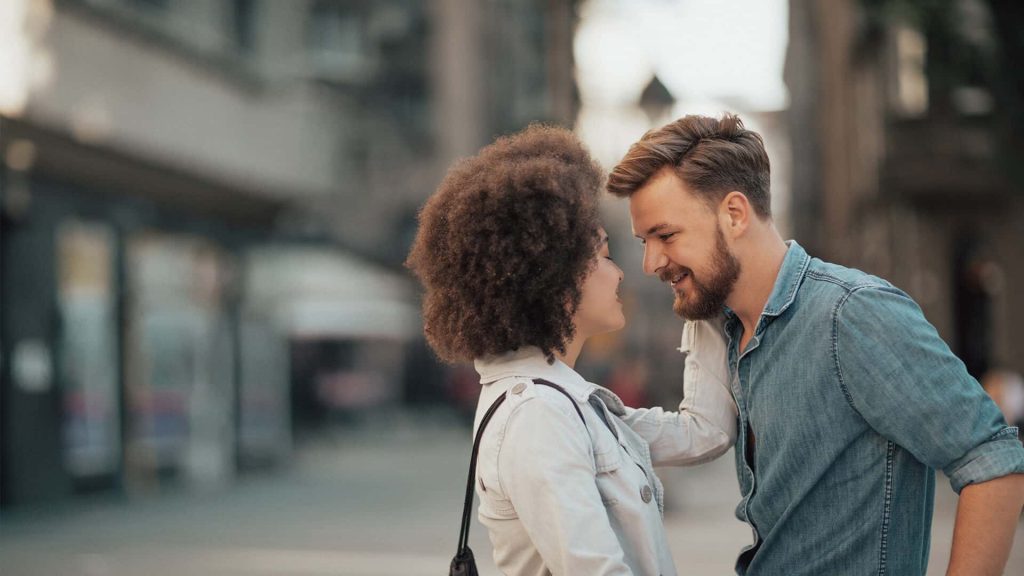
848,400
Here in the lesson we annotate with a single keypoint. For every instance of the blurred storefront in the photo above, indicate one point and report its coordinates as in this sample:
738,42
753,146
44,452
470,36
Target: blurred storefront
205,207
119,318
153,159
348,324
148,344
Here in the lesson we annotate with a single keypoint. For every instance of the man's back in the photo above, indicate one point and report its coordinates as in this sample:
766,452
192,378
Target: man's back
848,398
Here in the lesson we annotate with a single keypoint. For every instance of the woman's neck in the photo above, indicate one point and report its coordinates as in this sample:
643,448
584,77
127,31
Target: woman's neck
572,351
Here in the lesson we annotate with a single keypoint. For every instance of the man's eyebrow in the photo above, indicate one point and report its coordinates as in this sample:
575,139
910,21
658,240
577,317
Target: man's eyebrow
652,230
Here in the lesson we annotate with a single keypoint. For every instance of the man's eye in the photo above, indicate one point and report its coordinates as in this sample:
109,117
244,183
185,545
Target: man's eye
665,237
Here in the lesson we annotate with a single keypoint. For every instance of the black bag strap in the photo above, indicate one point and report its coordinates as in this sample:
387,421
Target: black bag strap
468,505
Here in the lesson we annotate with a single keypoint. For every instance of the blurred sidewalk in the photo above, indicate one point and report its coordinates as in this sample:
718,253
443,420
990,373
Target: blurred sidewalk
369,503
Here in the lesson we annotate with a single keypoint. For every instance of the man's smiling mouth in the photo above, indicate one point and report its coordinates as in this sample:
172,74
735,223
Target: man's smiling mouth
677,278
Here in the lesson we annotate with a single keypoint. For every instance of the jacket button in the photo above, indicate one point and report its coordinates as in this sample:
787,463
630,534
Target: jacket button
646,494
518,388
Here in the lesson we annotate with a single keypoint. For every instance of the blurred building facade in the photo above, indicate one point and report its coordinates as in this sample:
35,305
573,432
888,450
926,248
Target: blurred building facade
906,159
205,206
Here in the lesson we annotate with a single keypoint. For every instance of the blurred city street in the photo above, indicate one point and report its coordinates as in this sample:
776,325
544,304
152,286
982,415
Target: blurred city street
212,353
369,503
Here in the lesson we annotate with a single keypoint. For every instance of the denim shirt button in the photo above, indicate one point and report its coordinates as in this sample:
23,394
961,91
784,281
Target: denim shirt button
646,494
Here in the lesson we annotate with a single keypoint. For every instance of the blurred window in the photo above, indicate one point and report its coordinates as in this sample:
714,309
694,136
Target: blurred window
339,48
220,34
180,359
243,25
88,352
911,96
264,422
518,88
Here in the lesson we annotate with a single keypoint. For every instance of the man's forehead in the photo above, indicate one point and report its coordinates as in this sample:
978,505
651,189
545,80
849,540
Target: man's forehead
664,199
656,206
663,185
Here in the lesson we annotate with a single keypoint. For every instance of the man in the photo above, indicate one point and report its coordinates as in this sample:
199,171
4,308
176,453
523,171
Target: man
847,396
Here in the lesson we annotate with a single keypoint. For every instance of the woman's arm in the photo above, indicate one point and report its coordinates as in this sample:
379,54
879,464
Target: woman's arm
705,425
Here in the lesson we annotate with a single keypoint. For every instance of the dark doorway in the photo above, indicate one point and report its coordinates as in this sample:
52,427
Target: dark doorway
974,272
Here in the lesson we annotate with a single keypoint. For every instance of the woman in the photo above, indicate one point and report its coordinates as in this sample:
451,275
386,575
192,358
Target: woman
518,276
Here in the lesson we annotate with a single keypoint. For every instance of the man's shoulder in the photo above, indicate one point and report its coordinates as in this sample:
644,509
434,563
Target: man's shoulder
841,279
840,291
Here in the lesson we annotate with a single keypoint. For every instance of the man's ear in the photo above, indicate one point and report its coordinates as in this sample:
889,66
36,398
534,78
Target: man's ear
734,213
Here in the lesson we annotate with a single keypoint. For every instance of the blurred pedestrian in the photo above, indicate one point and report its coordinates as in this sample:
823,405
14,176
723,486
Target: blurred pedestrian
847,396
518,276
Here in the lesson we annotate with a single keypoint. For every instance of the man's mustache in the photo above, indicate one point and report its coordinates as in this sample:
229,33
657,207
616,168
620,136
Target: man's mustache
667,274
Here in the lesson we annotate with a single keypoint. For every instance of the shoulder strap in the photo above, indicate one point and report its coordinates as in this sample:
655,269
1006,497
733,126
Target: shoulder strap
564,393
468,503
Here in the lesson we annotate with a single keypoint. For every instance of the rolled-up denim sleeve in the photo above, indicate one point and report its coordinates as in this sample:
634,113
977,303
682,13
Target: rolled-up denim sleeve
905,382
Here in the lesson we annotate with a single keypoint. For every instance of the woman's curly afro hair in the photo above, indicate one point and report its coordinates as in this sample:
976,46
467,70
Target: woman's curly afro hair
505,243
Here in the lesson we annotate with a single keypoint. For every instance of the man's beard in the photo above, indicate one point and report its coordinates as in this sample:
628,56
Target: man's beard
707,297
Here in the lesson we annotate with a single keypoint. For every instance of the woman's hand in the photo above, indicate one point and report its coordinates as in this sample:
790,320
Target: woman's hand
703,343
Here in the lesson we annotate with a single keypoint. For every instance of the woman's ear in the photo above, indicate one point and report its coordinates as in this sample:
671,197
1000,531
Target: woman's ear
734,214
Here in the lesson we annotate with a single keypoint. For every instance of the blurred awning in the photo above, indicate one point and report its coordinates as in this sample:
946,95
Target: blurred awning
97,167
323,292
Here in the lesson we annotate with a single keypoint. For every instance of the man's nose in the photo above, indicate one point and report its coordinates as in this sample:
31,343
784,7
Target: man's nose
654,258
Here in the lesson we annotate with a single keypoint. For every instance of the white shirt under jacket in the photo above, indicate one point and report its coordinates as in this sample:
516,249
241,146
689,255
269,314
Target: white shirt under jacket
560,498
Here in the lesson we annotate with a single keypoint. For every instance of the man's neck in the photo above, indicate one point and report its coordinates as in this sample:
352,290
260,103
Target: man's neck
760,269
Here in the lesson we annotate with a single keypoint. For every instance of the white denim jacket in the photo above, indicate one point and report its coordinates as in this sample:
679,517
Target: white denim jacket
558,497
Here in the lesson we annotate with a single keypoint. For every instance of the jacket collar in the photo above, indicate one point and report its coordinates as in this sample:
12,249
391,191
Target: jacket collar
529,362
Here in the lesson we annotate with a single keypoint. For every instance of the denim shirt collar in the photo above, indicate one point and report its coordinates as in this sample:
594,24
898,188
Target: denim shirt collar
530,362
794,266
791,274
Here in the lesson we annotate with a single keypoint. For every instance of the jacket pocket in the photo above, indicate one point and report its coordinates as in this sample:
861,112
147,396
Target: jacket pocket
607,465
